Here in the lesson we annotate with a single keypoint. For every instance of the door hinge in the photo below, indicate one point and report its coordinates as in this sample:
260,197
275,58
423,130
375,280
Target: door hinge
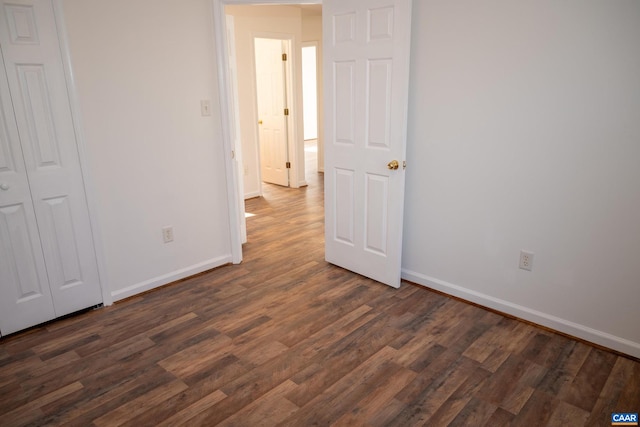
284,56
288,165
286,111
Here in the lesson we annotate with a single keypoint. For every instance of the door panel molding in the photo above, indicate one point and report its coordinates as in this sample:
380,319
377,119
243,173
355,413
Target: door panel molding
37,109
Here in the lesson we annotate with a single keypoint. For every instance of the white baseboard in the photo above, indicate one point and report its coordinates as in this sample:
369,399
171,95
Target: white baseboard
165,279
561,325
252,195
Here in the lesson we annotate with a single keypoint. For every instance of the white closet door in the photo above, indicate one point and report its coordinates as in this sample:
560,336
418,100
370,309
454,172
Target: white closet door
37,85
25,298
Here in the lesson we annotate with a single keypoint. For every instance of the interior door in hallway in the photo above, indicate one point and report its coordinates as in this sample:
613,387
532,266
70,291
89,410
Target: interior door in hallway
366,69
47,258
272,124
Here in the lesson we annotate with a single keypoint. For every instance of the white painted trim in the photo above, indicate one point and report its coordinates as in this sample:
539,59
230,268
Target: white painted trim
222,59
562,325
231,168
254,110
165,279
76,116
236,131
294,93
252,195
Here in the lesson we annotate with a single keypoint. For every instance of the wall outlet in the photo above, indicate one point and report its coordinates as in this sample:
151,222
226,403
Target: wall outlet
526,260
167,234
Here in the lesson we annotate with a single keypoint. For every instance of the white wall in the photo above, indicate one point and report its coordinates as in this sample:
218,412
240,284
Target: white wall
524,133
252,21
141,69
312,32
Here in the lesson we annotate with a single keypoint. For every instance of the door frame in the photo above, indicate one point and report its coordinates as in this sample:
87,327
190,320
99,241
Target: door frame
231,165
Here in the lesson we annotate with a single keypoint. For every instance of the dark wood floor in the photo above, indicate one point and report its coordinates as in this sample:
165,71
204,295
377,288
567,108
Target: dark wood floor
285,338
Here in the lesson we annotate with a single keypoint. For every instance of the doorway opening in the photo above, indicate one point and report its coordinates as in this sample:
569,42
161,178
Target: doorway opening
227,22
310,90
310,106
252,30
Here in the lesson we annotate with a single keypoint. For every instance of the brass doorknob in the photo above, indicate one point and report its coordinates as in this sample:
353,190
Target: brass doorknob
393,165
259,122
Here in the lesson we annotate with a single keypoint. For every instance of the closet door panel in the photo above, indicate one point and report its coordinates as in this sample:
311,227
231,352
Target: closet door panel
36,82
25,296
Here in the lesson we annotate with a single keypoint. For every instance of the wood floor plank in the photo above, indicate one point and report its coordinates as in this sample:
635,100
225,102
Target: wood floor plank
339,360
259,351
630,395
184,416
500,417
144,403
508,387
188,361
96,399
342,395
52,380
561,374
609,399
368,409
18,366
288,339
31,411
60,361
200,397
475,413
507,335
537,411
588,383
566,414
452,407
425,395
269,409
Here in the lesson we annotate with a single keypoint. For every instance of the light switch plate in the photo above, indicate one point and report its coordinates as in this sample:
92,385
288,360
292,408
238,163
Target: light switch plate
205,107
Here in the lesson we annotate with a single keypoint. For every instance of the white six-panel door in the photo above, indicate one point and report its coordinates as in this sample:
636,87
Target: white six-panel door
48,265
271,96
366,49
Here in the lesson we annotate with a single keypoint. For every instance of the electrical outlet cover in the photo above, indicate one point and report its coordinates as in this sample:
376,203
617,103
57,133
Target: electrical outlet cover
167,234
526,260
